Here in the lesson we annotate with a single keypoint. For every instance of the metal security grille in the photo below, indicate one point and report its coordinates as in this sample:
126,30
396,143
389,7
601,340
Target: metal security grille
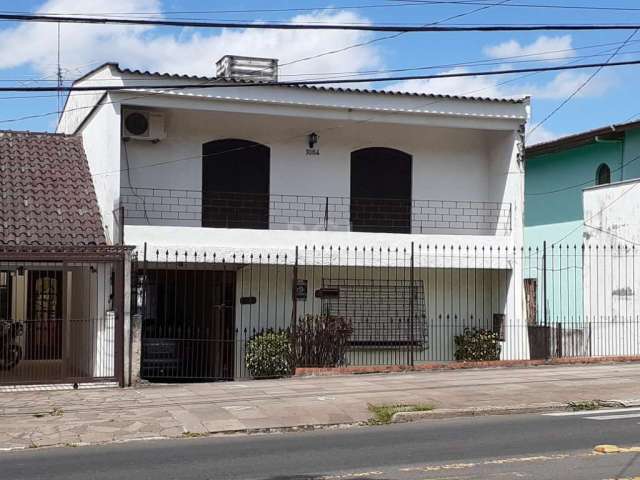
380,311
61,315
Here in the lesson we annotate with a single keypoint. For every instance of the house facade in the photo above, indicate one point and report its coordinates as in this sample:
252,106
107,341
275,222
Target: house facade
558,171
273,201
581,200
60,320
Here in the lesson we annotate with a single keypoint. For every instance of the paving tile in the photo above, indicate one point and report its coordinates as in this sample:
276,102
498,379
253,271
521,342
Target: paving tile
171,410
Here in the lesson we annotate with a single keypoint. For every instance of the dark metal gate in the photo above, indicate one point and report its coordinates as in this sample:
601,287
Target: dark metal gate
188,331
61,315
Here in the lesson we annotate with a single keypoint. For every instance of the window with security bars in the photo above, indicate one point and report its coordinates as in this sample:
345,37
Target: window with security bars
379,311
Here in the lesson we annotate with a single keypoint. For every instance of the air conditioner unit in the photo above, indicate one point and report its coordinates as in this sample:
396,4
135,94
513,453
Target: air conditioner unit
143,125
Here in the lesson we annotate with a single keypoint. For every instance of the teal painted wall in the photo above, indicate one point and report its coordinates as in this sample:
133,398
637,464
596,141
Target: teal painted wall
558,214
631,169
551,216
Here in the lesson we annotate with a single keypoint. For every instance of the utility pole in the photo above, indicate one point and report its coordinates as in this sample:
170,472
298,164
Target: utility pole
59,78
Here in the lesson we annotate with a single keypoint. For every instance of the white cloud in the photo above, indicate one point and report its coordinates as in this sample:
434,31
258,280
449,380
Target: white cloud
540,135
480,86
567,82
544,48
191,51
558,87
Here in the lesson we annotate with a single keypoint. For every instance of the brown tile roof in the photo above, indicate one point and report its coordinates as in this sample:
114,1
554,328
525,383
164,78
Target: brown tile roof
46,191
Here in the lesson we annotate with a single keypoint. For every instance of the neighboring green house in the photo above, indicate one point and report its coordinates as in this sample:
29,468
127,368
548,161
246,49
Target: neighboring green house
556,174
558,171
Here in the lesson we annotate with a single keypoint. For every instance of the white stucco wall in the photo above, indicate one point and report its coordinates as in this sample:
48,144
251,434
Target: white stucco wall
442,157
90,323
462,149
80,104
462,165
611,282
101,140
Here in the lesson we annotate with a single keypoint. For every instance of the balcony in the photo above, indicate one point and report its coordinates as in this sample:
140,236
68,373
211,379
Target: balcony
172,207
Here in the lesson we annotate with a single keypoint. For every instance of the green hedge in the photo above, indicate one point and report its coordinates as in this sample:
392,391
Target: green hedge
269,355
477,345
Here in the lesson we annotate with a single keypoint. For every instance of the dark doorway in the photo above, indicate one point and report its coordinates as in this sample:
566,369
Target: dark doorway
380,190
235,184
43,335
188,325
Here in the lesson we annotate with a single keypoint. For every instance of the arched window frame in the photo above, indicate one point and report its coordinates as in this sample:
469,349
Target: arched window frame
381,212
240,205
603,174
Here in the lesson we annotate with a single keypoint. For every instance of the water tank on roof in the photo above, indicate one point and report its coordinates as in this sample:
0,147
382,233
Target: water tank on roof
247,68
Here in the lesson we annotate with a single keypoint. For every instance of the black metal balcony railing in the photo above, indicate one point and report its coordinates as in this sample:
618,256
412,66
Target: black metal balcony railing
310,212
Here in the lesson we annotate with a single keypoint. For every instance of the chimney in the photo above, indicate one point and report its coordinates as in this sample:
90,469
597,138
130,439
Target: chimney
234,67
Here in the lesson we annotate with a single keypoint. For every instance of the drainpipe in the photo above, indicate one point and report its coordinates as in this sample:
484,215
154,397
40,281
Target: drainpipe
598,139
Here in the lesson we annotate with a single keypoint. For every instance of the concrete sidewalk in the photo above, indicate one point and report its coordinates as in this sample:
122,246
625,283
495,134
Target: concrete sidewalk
75,417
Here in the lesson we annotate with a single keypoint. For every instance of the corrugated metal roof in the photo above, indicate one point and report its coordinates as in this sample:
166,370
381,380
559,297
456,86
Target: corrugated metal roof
320,88
46,191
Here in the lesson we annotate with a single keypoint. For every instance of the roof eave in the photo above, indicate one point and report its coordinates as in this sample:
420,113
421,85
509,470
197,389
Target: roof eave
580,139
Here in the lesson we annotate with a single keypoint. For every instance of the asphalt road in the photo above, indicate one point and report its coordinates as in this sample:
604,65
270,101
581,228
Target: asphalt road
503,447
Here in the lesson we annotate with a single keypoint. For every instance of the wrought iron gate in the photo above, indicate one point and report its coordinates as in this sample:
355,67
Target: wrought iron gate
61,315
188,329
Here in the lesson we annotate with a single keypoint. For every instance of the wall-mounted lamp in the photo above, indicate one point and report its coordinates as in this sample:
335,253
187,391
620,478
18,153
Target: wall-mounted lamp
313,139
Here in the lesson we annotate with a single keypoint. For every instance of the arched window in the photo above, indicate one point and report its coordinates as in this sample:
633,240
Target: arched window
603,174
380,190
235,184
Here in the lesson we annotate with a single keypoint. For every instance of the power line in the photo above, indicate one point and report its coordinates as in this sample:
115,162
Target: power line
316,26
406,3
337,127
167,162
526,5
598,212
383,38
613,235
485,73
482,62
391,4
471,92
583,84
41,115
582,184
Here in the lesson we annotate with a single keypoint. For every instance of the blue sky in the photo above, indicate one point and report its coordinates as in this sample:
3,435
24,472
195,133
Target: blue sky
28,52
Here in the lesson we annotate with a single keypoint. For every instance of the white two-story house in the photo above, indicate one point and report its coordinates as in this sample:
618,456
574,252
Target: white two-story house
253,204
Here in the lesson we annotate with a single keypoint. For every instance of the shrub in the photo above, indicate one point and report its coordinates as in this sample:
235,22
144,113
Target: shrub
320,341
477,345
268,355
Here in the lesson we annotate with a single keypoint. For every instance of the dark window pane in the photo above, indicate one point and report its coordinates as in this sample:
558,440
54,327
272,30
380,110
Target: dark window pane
380,190
235,184
603,175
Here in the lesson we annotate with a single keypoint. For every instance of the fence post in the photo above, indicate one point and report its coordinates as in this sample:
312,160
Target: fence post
326,214
559,351
547,346
118,298
121,226
411,300
294,298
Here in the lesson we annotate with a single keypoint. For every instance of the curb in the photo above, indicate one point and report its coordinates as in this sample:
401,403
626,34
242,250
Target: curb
406,417
439,366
